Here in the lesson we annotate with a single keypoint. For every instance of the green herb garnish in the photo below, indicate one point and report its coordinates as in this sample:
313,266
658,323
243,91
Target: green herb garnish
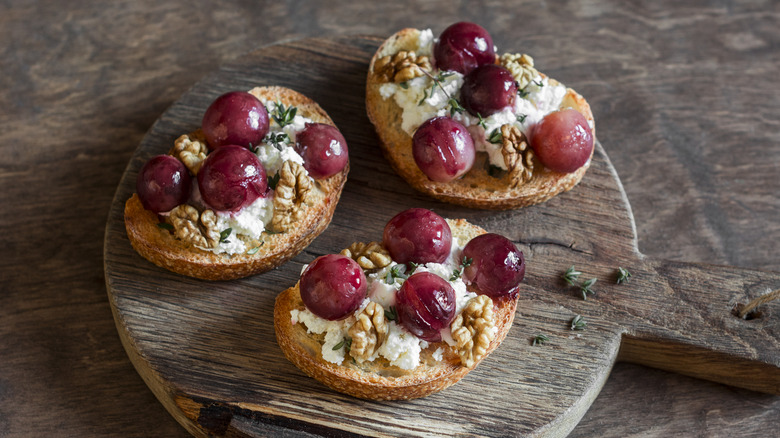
578,323
404,85
346,343
585,288
396,272
459,271
224,235
411,267
496,137
455,106
540,339
521,117
623,275
571,275
277,139
481,122
391,314
274,180
254,250
283,116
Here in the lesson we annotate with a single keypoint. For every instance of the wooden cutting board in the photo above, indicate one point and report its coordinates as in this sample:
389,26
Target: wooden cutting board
208,352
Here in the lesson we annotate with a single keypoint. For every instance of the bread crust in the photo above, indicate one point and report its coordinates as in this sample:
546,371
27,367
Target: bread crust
476,189
160,247
378,380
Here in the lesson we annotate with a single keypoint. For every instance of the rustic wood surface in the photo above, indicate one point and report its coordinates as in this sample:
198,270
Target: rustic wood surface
687,108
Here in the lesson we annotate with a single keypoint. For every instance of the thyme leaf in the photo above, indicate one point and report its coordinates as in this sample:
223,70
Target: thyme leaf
274,180
521,117
623,275
585,288
277,139
223,236
481,121
459,271
578,323
540,339
254,250
346,343
283,116
571,275
391,314
394,273
455,106
496,137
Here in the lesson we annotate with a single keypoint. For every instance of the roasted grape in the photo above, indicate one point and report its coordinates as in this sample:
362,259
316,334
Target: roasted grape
323,149
163,183
417,235
488,89
425,305
463,47
497,266
237,118
562,141
443,149
333,286
231,178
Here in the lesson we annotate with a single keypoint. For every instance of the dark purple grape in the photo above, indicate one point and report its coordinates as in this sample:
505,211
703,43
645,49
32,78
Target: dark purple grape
163,183
231,178
463,47
562,141
488,89
323,149
333,286
417,235
443,149
237,118
497,266
425,305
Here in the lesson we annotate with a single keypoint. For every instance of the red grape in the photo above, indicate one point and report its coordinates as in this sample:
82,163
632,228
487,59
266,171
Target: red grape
488,89
443,149
417,235
236,118
497,266
323,149
425,305
163,183
464,46
333,286
231,178
562,141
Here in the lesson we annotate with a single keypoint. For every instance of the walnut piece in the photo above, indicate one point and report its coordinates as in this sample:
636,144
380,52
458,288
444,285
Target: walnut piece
370,255
292,192
521,67
193,227
473,329
191,149
402,66
518,156
368,332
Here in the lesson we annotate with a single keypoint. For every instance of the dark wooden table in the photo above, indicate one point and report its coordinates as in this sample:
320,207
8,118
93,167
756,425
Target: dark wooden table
687,107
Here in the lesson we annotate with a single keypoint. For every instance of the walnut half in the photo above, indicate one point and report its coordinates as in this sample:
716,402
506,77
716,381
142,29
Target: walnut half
518,156
370,255
473,329
402,66
369,332
191,149
521,67
292,194
193,227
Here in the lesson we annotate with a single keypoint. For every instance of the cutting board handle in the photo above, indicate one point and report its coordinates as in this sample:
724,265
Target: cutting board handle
687,323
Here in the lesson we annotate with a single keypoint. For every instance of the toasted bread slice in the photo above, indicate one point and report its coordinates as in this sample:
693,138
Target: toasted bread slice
477,188
159,245
378,380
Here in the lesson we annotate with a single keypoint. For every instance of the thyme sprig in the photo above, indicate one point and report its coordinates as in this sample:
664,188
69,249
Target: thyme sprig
465,263
283,116
571,276
455,106
274,180
277,139
623,275
346,343
411,267
495,137
540,339
391,314
578,323
397,271
586,290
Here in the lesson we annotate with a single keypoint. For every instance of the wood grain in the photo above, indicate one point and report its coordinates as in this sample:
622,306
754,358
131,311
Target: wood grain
207,350
685,94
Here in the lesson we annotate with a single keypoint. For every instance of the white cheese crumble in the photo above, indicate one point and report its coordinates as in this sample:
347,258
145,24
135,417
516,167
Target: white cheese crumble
421,99
401,348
